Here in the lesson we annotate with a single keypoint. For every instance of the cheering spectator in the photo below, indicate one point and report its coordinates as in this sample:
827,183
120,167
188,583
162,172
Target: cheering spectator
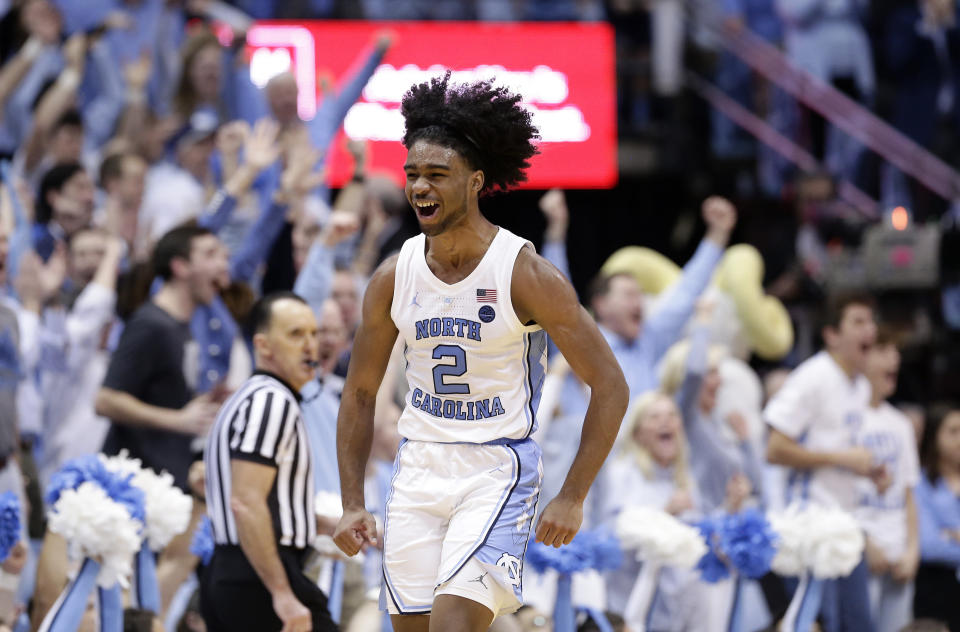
94,88
80,329
12,373
652,469
150,403
122,178
889,518
938,509
321,398
64,206
722,456
637,342
814,420
176,191
201,77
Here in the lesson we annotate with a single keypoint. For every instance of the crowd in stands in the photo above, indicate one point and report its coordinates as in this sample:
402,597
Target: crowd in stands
150,192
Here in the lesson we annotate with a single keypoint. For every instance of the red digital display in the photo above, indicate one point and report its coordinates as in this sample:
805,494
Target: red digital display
565,73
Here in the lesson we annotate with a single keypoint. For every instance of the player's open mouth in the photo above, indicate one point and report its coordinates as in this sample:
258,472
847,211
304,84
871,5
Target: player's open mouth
426,208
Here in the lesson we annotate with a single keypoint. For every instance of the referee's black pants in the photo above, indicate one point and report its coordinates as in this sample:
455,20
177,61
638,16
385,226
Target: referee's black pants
233,599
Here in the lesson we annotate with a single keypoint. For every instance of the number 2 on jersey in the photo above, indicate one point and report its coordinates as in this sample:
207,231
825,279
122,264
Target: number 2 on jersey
458,368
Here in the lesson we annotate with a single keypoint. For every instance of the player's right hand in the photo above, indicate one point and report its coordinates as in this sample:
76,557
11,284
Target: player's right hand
357,531
293,614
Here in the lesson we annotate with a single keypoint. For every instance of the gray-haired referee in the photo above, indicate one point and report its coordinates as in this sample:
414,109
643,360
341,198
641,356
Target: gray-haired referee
260,485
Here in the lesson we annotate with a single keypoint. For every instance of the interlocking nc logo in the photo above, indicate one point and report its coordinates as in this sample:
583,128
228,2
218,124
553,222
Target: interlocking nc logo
512,565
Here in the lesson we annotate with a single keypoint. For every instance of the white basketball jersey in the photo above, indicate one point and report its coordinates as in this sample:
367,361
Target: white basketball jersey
474,370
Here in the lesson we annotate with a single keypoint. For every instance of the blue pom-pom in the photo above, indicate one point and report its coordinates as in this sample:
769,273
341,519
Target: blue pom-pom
90,468
745,541
711,566
607,554
749,542
9,523
202,543
597,550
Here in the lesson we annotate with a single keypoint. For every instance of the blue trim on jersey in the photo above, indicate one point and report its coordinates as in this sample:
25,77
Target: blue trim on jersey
533,516
501,441
527,409
536,372
504,500
386,521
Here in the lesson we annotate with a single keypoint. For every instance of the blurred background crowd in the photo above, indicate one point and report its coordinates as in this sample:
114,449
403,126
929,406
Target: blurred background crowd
151,192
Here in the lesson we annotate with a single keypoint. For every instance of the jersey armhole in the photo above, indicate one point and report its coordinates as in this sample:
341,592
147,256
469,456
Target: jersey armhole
402,267
508,303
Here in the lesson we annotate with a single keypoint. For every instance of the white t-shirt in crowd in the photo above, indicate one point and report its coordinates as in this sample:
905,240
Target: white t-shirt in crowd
171,197
889,435
821,408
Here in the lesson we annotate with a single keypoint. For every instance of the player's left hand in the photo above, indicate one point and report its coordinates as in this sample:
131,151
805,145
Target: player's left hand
560,521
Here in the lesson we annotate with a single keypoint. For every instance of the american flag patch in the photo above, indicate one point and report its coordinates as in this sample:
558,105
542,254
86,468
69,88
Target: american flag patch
486,296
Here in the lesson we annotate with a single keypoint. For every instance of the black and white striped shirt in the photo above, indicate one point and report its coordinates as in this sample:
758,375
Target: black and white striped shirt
261,422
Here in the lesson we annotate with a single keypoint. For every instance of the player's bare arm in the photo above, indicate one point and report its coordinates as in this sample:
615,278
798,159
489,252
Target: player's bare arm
541,294
368,363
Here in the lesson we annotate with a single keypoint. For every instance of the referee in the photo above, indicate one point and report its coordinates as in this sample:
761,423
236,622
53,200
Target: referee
260,485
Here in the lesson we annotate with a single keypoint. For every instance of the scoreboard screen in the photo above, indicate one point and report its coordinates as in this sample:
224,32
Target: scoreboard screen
565,73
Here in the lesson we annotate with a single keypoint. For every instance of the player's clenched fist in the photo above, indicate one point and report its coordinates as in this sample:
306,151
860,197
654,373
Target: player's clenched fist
560,521
357,530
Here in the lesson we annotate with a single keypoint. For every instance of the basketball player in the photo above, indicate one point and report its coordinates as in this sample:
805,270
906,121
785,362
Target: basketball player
473,304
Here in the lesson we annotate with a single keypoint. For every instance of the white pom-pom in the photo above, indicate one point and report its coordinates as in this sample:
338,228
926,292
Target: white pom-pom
99,528
659,537
167,508
837,543
328,505
121,463
790,560
827,542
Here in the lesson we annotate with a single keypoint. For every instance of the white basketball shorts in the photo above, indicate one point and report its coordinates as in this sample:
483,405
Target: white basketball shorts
458,517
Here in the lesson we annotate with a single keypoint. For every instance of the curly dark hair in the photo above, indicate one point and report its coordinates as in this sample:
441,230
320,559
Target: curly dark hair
485,124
